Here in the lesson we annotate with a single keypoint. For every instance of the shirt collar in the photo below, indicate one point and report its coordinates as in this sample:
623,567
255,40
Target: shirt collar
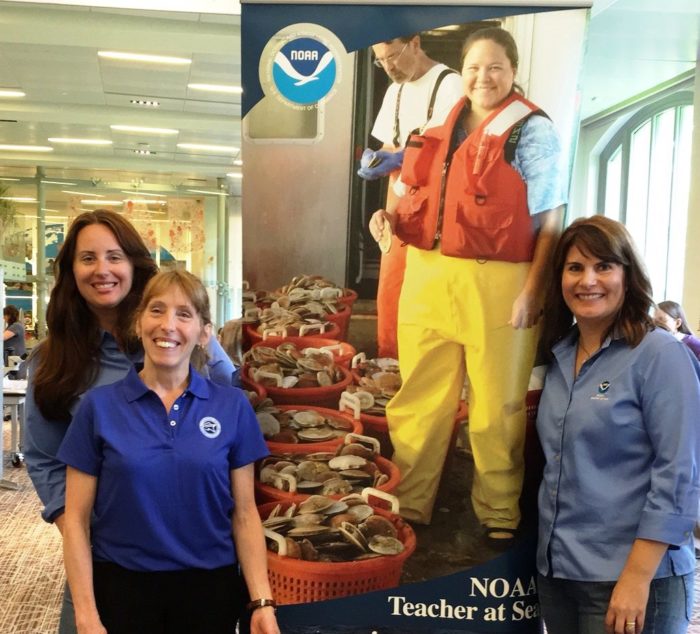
135,388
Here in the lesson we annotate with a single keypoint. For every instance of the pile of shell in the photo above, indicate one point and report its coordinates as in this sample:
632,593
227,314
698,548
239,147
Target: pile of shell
299,425
378,383
324,529
287,367
317,286
349,471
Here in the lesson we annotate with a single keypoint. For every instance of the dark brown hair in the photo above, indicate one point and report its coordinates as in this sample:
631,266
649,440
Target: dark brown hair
193,289
675,311
70,356
12,314
608,240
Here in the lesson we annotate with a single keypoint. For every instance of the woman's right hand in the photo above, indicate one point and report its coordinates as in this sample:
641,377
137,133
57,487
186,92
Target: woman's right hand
91,627
379,222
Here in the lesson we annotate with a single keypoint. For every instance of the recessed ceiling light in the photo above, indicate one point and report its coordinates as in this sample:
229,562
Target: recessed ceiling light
138,128
202,191
101,202
145,102
125,191
143,152
208,148
5,92
26,148
68,191
148,59
80,141
231,90
18,199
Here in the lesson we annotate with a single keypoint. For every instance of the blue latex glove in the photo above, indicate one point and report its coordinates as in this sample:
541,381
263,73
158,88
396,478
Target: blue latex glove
379,163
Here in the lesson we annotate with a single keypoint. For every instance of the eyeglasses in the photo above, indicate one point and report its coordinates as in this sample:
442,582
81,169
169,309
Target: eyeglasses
380,62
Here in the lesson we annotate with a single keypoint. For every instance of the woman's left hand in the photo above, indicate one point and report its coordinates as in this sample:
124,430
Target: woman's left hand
526,310
263,621
627,606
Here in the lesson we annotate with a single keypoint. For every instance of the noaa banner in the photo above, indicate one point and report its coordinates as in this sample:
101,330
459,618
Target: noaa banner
388,164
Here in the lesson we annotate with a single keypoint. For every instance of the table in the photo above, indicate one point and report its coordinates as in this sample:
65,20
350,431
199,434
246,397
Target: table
13,395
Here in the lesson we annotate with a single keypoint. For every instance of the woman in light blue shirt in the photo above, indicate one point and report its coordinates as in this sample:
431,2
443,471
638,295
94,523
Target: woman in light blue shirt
618,425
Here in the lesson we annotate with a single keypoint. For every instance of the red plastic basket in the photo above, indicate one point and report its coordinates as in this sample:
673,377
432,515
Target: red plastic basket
322,396
267,493
297,581
342,351
331,331
327,445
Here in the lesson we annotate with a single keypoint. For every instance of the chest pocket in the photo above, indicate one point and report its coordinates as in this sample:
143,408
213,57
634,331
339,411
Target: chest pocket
418,158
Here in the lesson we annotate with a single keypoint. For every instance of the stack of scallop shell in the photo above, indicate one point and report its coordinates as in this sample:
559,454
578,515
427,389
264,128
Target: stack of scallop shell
316,285
286,366
349,470
378,383
299,425
324,529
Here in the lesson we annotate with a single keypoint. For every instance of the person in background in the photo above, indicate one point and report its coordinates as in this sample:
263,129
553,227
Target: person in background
13,334
480,242
101,271
422,93
618,425
160,508
671,316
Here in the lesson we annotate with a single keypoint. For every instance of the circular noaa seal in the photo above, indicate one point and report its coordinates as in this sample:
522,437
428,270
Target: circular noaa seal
210,427
300,65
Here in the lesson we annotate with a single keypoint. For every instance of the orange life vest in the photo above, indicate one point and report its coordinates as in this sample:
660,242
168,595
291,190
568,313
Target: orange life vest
471,200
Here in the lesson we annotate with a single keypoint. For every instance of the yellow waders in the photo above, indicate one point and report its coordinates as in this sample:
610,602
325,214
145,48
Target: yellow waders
454,310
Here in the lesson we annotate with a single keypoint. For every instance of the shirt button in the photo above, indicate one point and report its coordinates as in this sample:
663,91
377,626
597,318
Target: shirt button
173,423
176,407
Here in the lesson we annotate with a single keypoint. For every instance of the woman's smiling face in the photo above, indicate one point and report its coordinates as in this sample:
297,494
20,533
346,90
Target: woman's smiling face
593,289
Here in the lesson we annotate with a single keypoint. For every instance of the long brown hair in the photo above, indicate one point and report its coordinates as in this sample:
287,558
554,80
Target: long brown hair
69,358
193,289
609,240
675,311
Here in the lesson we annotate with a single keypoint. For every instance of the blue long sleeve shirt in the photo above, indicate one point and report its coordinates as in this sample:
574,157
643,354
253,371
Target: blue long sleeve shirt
622,449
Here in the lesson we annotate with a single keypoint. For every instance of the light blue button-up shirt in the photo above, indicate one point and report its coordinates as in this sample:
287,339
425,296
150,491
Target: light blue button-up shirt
622,449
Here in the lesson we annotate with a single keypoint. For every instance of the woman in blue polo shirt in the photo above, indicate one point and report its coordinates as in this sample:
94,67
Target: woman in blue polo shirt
159,498
618,425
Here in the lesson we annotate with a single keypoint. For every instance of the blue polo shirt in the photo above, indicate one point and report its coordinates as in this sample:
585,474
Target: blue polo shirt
622,448
163,498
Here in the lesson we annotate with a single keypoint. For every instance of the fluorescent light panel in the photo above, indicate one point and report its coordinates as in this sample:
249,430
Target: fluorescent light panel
25,148
18,199
228,149
234,175
7,178
57,183
202,191
124,191
137,128
231,90
68,191
148,59
101,202
80,141
5,92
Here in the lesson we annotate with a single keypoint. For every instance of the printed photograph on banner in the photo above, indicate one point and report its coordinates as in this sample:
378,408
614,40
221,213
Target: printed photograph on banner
404,175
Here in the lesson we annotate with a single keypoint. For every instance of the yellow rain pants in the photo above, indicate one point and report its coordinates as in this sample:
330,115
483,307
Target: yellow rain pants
452,311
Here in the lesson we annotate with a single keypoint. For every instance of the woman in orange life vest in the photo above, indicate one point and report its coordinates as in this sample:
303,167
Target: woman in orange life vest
480,213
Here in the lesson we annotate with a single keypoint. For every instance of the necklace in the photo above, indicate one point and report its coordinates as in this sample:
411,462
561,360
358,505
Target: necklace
585,351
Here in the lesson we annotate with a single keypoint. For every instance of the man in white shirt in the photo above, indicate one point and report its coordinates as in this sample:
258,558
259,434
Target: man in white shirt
421,96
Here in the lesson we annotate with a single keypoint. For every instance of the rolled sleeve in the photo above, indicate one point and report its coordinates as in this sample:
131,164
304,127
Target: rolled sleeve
538,159
671,403
42,438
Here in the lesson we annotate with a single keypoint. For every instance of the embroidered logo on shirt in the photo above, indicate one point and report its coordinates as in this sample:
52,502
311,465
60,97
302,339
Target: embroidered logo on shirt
602,389
210,427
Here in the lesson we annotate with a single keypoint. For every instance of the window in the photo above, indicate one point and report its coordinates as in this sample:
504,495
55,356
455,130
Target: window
644,182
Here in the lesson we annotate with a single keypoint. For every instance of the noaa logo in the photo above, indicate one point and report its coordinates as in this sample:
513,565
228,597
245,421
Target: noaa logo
304,70
210,427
